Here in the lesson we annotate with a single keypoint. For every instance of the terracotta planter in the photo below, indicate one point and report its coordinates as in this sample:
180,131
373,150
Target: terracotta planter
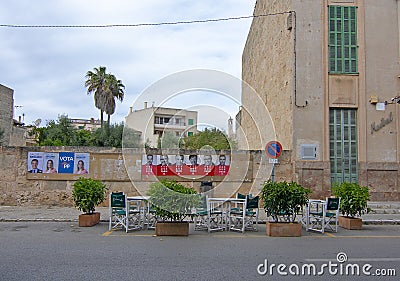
283,229
89,219
350,223
172,228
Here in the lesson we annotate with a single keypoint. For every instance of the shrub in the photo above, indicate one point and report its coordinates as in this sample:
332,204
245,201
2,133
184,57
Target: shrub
283,199
88,193
353,198
172,201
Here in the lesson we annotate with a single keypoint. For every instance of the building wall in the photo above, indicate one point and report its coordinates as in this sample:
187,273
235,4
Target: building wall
314,92
268,64
18,136
6,112
142,121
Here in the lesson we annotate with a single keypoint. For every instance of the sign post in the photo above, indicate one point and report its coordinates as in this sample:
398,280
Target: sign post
273,150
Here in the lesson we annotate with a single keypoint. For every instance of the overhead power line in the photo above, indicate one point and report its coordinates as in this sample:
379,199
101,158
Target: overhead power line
140,24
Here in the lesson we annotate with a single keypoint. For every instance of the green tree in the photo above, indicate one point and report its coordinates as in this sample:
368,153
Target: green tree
61,132
131,138
106,87
114,89
109,137
168,140
214,138
95,83
57,133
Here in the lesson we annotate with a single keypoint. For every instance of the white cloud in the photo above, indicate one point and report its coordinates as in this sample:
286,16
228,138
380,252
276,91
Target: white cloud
46,67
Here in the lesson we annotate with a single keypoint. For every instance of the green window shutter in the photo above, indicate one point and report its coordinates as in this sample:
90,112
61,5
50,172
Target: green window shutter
343,48
190,122
190,134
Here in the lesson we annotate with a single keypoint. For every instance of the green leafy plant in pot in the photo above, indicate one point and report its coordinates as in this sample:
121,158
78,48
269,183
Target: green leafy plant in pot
282,201
173,203
353,203
87,194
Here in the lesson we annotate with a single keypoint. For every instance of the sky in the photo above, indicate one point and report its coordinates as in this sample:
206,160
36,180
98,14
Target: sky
46,67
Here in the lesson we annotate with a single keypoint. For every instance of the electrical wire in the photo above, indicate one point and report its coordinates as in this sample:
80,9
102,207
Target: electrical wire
141,24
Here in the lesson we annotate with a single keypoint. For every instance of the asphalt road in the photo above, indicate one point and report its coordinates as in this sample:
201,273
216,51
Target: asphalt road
63,251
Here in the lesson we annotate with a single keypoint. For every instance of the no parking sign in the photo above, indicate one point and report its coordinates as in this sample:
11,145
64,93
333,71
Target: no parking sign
273,149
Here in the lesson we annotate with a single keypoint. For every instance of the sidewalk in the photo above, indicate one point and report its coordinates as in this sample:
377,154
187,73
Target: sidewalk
382,213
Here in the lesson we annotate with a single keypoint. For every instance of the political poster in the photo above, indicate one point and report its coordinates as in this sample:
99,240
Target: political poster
66,162
35,162
189,165
50,163
81,163
149,164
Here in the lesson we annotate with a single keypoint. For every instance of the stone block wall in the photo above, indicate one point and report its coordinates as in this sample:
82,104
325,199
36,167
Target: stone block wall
248,171
111,165
6,113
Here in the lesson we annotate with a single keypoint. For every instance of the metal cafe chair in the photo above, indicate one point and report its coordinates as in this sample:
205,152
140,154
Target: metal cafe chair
201,215
150,216
245,220
135,214
251,215
216,214
117,210
237,213
323,215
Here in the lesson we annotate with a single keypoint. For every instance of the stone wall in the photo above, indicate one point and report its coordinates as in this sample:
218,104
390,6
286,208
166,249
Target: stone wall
119,170
248,171
6,113
268,67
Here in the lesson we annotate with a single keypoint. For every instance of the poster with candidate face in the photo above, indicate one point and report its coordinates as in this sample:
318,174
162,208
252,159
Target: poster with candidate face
81,163
181,165
35,162
50,163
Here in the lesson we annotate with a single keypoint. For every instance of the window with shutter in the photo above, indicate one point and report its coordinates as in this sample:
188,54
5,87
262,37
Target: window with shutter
343,49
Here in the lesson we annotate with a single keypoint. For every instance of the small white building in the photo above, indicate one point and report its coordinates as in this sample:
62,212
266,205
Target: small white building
87,124
154,121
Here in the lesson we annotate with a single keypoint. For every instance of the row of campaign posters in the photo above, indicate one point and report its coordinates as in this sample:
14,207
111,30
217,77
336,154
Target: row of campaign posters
180,165
58,163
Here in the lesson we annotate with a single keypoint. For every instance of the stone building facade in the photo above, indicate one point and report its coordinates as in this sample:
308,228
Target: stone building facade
328,72
6,113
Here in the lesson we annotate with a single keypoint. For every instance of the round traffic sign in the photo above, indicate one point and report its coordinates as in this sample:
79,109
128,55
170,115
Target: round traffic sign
273,149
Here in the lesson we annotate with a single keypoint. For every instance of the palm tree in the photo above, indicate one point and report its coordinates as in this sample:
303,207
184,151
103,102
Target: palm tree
105,87
115,89
96,83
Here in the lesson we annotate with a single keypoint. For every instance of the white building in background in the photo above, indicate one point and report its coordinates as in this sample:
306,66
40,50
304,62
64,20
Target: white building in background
154,121
87,124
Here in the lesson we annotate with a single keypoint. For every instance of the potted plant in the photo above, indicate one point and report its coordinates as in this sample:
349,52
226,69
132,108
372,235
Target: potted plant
282,201
87,194
173,202
353,203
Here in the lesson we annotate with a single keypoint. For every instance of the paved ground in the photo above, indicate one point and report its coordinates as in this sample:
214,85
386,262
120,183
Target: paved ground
45,243
383,213
63,251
